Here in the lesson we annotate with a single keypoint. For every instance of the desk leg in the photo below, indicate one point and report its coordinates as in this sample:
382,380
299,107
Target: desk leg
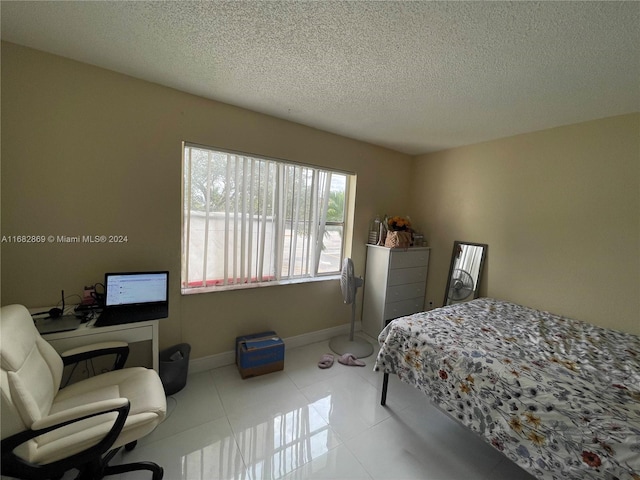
155,352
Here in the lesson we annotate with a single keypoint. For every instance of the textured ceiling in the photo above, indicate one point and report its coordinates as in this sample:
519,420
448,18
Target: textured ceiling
412,76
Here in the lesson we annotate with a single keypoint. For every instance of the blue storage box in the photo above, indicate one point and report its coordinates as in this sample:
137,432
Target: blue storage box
259,353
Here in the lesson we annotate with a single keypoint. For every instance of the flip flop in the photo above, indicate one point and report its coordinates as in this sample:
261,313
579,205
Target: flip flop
351,360
326,361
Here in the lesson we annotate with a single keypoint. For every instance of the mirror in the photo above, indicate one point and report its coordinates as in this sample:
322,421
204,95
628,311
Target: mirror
465,272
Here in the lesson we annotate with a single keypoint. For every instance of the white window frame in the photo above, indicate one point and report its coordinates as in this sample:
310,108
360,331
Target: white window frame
239,272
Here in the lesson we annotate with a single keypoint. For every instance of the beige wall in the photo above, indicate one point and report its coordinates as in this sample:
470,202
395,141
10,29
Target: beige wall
86,151
559,209
89,151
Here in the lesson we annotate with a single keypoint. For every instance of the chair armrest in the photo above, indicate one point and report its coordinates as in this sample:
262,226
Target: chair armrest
71,415
87,352
15,466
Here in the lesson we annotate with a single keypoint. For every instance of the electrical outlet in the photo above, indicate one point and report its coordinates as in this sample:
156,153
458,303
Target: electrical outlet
430,305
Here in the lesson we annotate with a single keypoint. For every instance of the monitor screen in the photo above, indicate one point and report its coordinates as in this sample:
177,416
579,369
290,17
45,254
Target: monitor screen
136,288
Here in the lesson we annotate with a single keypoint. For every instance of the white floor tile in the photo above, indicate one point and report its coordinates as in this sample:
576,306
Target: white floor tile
301,364
281,436
338,463
206,452
308,423
348,402
238,394
196,404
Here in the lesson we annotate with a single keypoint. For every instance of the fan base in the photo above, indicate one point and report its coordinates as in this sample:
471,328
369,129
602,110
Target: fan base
359,347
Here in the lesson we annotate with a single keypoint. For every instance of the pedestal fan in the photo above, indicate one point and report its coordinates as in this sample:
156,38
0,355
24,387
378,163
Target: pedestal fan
461,285
342,344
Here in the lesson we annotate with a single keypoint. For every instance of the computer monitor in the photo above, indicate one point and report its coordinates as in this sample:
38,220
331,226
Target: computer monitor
134,297
136,288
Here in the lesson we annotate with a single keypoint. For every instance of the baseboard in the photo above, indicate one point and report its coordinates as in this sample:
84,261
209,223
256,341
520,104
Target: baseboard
229,358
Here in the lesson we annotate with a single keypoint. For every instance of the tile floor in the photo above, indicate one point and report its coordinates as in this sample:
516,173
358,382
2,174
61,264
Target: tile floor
308,423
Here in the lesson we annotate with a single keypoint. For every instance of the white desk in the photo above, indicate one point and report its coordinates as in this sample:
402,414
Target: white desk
86,334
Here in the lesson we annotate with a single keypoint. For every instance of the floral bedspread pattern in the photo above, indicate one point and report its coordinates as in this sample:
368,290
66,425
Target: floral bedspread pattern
558,396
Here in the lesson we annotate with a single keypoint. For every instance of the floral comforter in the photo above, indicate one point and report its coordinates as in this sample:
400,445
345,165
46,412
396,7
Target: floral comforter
559,397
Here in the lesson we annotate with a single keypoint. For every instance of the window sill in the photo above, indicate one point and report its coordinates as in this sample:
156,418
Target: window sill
246,286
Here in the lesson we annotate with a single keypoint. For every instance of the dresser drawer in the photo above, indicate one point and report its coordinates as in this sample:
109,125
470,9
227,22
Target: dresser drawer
405,292
401,276
405,307
408,258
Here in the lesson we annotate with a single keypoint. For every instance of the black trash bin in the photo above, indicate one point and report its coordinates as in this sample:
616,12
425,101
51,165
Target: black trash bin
174,367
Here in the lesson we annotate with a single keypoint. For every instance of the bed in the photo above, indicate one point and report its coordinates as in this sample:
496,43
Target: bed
559,397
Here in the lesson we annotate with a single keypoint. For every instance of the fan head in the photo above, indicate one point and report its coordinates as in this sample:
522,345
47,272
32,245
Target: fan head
461,285
349,283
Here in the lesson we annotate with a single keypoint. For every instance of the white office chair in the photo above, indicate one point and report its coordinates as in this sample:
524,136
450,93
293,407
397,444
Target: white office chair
47,431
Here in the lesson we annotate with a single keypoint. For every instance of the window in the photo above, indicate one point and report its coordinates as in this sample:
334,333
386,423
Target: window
250,221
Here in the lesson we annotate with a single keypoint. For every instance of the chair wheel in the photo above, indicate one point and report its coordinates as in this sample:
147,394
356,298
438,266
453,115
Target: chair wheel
130,446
